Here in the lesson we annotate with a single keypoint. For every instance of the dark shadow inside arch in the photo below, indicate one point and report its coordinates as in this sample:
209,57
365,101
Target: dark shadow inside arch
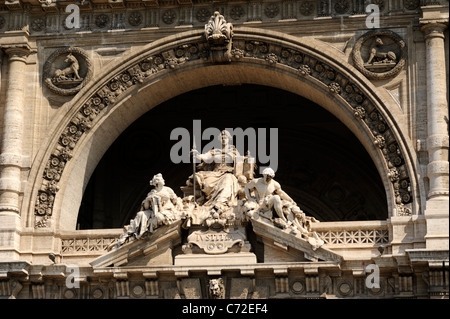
321,164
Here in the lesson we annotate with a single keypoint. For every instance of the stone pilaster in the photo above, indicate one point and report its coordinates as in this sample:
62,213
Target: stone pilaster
11,151
437,141
437,208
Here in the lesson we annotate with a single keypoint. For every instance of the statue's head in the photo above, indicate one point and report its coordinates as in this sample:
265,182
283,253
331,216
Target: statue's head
157,180
379,41
70,58
225,137
242,180
268,174
216,287
296,211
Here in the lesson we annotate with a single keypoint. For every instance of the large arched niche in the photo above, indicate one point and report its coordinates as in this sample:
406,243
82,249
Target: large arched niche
322,165
140,91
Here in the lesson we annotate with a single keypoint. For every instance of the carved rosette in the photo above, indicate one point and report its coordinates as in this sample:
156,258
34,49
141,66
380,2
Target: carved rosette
379,55
303,66
67,71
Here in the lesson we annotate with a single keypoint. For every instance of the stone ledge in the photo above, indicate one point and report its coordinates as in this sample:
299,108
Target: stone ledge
242,258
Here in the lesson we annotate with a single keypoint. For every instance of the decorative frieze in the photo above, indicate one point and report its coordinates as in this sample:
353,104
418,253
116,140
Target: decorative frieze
119,14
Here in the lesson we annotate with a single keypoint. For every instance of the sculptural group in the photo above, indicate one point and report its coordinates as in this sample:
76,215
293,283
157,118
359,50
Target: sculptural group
218,195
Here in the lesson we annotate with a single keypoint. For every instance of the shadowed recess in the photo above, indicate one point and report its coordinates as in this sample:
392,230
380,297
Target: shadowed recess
321,164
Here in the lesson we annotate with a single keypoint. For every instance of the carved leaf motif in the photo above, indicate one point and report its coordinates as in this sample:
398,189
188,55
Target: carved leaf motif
217,30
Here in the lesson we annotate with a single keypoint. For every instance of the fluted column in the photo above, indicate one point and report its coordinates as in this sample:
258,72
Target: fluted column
437,104
12,134
436,211
11,151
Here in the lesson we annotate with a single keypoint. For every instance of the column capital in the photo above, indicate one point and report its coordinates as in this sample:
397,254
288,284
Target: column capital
433,29
18,53
434,20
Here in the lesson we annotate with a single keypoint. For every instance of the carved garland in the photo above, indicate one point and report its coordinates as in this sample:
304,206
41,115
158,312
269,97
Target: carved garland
301,63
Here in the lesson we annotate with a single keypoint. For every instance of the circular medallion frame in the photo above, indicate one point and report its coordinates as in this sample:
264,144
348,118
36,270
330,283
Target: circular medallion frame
86,70
395,41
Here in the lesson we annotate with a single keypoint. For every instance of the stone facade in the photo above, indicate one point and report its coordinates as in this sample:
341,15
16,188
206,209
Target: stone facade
70,88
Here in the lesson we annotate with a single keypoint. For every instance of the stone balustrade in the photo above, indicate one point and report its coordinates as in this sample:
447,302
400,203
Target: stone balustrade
89,244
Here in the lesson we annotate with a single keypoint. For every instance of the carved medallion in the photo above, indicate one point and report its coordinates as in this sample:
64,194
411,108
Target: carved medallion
101,20
135,19
67,71
306,8
97,293
203,15
298,287
271,10
379,55
169,16
38,24
341,6
411,4
345,287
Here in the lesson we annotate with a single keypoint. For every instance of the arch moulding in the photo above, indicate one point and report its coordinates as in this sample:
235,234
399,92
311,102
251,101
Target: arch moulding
91,121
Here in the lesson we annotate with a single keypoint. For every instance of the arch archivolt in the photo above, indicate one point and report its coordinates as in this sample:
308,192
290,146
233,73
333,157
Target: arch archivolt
177,64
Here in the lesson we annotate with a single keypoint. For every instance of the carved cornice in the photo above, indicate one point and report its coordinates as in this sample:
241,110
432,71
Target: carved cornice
247,49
